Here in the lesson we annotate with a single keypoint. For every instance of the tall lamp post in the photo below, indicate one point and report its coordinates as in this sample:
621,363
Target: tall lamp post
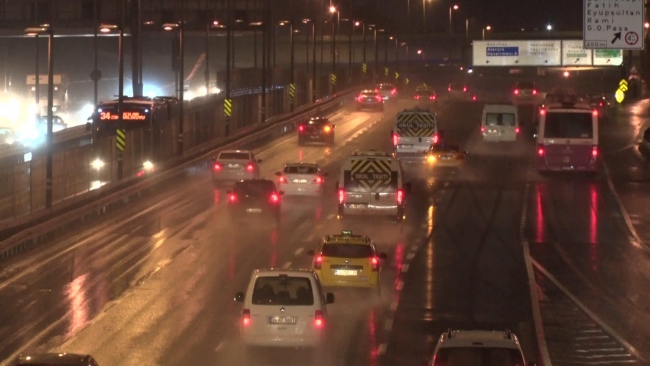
363,37
47,29
487,28
313,56
181,48
451,31
334,30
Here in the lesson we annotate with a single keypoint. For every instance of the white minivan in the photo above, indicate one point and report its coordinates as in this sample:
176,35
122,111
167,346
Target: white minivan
500,122
283,308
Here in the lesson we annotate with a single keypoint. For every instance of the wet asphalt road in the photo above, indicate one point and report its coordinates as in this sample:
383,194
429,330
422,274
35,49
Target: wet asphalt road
154,284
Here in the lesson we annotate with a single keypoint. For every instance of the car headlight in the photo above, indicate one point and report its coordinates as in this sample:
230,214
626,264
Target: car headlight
431,159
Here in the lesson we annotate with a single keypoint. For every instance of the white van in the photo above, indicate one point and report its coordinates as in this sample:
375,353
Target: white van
500,122
283,308
372,183
415,131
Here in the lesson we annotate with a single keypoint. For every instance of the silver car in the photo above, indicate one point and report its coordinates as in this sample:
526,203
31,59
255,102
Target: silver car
233,165
302,179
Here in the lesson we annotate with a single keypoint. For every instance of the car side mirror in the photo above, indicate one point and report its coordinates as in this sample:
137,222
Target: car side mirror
239,297
326,174
281,193
407,188
311,253
383,255
279,174
329,298
259,160
229,191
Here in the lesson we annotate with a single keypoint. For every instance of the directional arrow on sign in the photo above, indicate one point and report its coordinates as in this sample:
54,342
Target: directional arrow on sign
516,61
545,61
487,61
622,82
623,88
617,37
578,59
607,61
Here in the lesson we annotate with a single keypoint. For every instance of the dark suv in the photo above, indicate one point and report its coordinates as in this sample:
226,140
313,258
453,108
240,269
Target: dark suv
317,129
254,198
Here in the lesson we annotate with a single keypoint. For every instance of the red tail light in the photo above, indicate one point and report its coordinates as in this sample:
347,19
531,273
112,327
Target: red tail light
275,198
464,88
217,166
282,180
542,112
435,138
594,151
601,104
318,180
378,97
517,130
395,139
318,319
534,91
250,167
449,88
246,317
595,113
400,196
318,262
540,151
516,91
301,128
482,129
374,261
360,98
417,97
394,91
341,195
474,97
232,197
433,97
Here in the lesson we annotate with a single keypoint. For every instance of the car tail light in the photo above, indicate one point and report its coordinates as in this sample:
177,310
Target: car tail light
374,261
449,88
378,97
601,104
318,180
395,139
464,88
360,98
474,97
542,112
318,319
394,91
417,97
534,91
341,195
216,166
594,151
516,91
318,262
595,113
540,151
516,129
232,197
250,167
433,97
435,138
400,196
246,317
275,198
282,180
301,128
482,129
327,128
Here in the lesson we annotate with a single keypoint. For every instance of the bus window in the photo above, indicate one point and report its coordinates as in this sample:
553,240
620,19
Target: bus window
568,125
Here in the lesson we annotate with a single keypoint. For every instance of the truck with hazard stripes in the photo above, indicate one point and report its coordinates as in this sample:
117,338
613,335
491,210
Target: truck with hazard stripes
415,131
372,183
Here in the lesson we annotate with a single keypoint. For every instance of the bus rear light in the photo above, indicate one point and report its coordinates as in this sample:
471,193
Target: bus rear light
395,139
246,317
436,138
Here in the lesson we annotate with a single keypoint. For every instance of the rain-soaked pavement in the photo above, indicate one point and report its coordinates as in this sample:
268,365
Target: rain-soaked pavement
153,284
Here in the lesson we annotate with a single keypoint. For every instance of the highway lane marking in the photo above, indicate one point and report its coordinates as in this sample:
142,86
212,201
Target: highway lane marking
299,251
388,325
311,237
220,346
382,349
405,268
286,265
331,216
393,305
410,256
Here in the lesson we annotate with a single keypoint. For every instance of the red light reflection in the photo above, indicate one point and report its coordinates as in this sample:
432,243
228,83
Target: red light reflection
399,257
217,194
274,251
593,229
76,294
372,338
539,227
319,213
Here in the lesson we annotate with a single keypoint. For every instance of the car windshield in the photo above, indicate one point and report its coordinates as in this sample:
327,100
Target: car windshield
445,147
347,251
386,87
456,86
283,290
526,85
500,119
254,188
300,169
424,92
568,125
318,122
234,156
369,94
475,356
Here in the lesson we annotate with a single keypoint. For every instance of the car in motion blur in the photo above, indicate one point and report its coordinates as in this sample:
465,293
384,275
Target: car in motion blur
349,261
567,137
446,155
525,91
316,129
254,199
388,91
600,103
478,347
415,130
302,179
233,165
457,91
500,122
370,99
283,308
425,95
55,359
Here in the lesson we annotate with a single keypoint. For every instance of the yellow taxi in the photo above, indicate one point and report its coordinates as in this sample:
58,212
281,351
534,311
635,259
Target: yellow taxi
348,260
446,155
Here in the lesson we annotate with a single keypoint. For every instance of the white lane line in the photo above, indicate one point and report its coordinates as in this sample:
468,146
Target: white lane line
299,251
410,256
388,325
405,268
311,237
331,216
382,349
219,346
400,285
286,265
393,305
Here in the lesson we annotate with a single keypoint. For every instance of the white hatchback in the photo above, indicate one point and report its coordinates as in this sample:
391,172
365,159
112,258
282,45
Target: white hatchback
302,179
283,308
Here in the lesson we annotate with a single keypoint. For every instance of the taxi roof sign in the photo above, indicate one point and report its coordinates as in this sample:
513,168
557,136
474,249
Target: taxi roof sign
346,232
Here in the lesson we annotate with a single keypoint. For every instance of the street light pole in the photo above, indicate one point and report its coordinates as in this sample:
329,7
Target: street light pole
292,57
207,57
50,117
229,24
350,47
374,79
37,77
120,87
333,10
265,26
363,31
313,60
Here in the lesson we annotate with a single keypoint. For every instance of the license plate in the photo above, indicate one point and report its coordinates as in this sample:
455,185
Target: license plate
253,210
233,166
566,159
445,158
357,205
345,272
282,320
316,136
299,181
404,146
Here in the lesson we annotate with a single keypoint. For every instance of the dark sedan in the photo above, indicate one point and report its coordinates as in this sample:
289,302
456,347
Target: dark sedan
370,99
254,199
317,129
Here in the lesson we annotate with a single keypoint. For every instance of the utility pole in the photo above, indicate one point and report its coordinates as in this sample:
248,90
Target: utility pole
136,48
